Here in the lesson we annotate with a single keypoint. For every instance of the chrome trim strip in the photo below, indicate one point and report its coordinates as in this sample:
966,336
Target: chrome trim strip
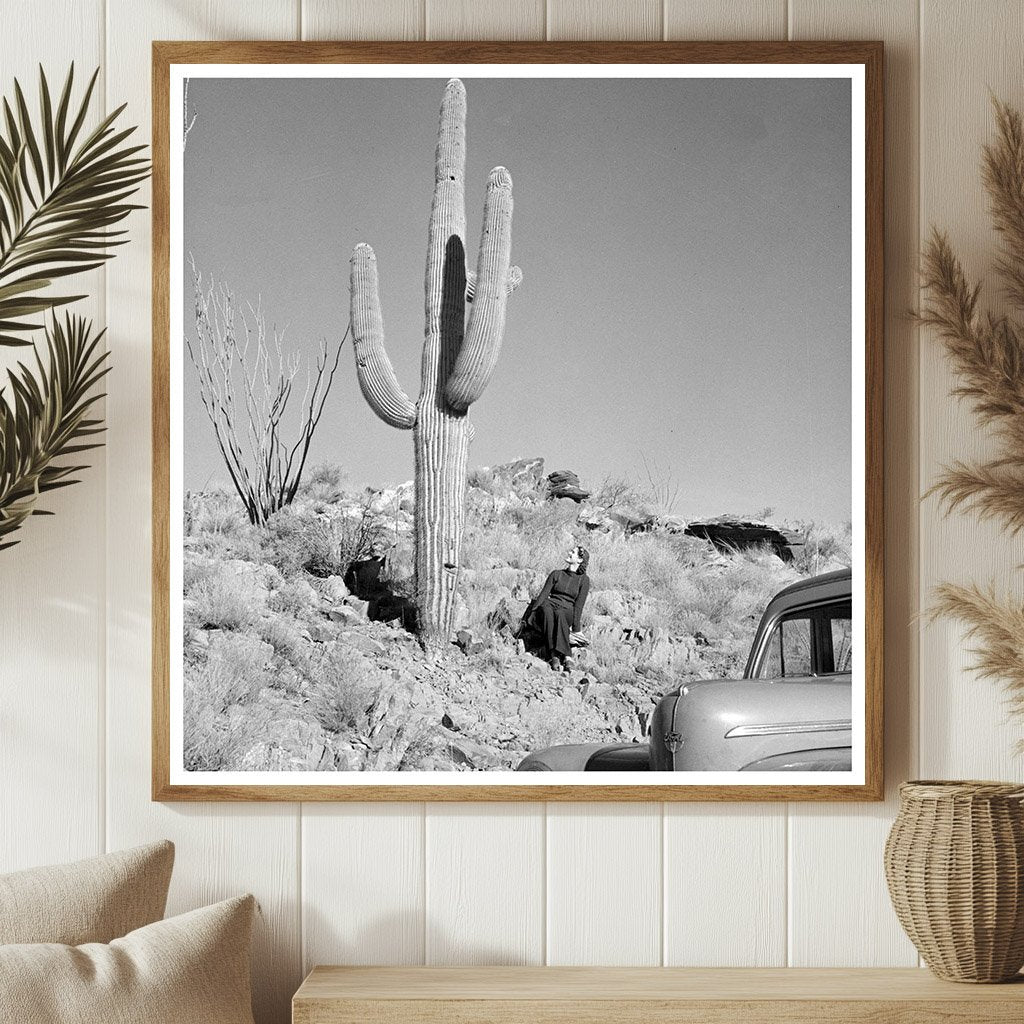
787,727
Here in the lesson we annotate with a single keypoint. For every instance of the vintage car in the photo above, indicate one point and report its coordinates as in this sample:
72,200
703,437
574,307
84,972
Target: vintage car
791,711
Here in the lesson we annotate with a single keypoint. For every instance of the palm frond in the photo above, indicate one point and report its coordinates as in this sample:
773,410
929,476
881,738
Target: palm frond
45,419
62,191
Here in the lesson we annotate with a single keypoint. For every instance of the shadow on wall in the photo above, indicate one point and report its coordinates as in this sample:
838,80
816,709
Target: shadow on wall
394,940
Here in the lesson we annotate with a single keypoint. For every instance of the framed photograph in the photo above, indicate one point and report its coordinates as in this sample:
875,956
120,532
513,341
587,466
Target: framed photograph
576,501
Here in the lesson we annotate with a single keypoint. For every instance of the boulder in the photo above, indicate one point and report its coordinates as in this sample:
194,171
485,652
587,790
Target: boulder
297,745
359,606
363,643
345,615
466,752
563,483
731,533
333,589
521,475
468,643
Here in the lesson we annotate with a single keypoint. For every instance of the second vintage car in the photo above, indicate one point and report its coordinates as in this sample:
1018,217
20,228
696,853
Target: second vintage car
791,710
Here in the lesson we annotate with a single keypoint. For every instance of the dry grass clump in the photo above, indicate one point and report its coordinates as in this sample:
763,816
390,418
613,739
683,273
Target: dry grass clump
295,597
284,635
324,483
342,686
825,545
220,600
235,670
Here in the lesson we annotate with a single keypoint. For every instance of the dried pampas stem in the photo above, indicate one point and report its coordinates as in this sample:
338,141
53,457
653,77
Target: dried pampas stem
987,354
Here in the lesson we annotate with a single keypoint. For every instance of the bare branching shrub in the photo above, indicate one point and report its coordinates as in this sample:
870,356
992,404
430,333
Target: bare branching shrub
246,383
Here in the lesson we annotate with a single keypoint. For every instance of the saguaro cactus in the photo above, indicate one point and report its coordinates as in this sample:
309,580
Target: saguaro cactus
458,358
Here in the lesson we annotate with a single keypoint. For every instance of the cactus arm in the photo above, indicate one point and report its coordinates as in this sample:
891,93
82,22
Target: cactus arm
377,379
479,352
515,279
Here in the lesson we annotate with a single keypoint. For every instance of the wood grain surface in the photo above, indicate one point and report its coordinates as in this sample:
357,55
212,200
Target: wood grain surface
340,995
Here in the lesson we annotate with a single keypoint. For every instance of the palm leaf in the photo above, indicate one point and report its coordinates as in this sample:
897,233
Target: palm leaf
62,191
45,419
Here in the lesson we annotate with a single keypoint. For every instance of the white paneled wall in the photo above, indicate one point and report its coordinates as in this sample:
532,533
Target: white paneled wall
742,884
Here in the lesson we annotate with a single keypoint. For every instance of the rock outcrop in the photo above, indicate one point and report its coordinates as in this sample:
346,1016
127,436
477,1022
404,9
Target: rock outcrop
563,483
729,533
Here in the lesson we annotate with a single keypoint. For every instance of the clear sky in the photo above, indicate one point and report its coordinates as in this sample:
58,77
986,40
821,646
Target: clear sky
685,246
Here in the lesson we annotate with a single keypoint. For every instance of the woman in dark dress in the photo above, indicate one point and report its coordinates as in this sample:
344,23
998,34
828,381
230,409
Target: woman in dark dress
554,614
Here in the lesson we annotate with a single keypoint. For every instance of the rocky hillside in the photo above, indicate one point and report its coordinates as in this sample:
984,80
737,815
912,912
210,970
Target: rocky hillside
297,656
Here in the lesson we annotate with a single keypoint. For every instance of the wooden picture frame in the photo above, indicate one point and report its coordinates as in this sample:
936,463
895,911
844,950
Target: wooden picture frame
172,784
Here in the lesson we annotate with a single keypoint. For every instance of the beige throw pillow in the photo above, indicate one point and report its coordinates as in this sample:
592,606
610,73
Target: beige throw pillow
92,900
190,969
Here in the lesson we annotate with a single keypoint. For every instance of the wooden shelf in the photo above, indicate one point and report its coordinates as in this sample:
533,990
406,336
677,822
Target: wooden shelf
646,995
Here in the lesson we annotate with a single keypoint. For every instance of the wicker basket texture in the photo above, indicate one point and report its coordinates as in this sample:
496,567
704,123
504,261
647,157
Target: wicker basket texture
954,862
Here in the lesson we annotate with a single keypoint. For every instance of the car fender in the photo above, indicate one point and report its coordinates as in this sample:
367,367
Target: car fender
570,757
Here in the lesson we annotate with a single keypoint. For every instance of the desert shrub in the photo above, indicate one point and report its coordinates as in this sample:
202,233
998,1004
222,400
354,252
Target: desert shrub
221,600
343,686
295,598
323,547
235,670
548,723
825,546
324,483
283,635
544,517
216,741
193,572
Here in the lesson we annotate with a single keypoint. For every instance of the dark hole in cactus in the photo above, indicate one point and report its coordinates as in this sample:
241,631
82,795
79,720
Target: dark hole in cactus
453,308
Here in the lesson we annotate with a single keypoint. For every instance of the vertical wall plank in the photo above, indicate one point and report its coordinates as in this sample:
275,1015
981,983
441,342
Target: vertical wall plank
362,884
51,583
725,866
604,884
363,19
725,885
726,19
222,848
604,19
472,19
836,851
967,49
485,883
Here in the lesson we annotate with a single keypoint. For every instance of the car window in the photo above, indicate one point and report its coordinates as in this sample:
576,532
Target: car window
841,628
789,651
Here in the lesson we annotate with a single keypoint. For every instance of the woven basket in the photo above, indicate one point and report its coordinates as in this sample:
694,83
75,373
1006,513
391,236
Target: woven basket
954,861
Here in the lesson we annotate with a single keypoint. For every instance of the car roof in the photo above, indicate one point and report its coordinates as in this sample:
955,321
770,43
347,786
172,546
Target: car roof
825,581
